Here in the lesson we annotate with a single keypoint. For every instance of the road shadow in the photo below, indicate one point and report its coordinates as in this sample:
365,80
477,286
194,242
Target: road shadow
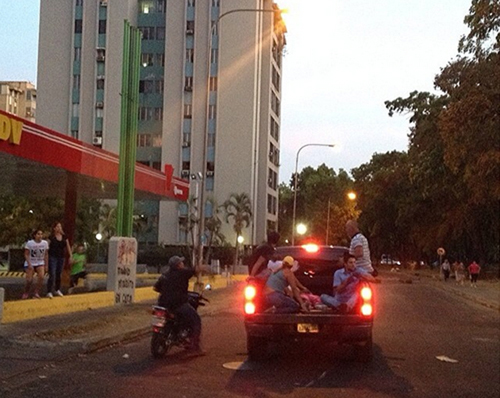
304,369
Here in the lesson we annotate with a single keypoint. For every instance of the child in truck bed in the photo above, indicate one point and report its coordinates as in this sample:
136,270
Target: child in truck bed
345,285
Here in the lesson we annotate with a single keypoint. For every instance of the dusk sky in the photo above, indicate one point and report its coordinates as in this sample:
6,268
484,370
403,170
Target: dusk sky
344,58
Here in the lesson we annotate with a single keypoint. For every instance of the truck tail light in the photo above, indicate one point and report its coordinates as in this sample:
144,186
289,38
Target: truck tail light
367,309
366,294
249,308
250,292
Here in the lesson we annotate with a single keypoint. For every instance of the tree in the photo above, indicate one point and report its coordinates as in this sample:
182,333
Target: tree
213,226
239,209
321,203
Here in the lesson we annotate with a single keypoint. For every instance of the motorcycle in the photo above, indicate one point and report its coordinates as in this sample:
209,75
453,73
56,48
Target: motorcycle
167,327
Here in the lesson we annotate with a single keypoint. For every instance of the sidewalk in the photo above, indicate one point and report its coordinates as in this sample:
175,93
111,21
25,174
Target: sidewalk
29,345
487,292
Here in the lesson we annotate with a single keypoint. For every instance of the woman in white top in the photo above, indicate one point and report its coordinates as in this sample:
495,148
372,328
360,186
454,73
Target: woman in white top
36,254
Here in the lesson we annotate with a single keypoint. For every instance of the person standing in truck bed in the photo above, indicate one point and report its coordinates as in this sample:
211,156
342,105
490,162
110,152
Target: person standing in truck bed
359,247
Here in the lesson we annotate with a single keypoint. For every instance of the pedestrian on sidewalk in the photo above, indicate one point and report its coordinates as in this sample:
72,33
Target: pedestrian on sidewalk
446,269
58,243
78,266
459,269
36,255
474,270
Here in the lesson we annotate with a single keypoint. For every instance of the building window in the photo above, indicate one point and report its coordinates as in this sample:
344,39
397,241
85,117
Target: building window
191,3
143,140
76,82
156,140
74,133
188,83
160,33
160,6
79,3
100,83
190,27
77,54
160,60
146,86
215,28
148,32
188,111
211,111
158,113
159,86
189,55
213,83
156,165
214,56
101,53
147,59
78,26
75,111
215,3
147,6
102,26
211,140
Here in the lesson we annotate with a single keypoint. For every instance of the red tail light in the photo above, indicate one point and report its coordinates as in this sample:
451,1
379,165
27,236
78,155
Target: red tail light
367,309
250,293
366,294
249,308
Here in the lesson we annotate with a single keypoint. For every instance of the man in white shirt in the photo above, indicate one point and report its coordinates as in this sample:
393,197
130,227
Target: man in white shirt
359,247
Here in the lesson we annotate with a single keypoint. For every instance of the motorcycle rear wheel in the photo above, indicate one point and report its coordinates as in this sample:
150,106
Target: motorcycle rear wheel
161,343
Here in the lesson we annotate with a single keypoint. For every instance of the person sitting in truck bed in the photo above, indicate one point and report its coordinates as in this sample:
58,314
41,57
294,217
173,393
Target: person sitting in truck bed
345,285
276,286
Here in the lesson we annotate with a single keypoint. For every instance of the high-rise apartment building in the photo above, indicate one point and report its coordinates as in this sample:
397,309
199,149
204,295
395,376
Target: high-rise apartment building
210,92
18,98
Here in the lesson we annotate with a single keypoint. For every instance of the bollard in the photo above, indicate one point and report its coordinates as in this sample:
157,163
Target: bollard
2,297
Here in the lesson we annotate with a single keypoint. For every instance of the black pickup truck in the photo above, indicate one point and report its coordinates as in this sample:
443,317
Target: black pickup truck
317,265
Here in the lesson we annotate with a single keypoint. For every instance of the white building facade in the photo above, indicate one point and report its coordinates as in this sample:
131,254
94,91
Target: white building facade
210,108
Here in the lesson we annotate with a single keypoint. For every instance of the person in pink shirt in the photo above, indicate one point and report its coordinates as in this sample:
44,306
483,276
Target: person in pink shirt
474,270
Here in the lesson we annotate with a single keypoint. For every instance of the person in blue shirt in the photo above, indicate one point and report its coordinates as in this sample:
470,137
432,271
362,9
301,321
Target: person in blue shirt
345,285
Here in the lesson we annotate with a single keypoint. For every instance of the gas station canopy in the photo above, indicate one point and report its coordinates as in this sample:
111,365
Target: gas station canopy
36,161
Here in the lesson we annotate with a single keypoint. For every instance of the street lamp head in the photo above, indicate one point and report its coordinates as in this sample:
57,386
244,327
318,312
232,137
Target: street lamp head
241,239
98,236
351,195
301,229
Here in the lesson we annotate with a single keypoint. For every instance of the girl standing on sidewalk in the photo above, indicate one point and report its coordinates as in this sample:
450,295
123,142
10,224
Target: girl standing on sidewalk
36,253
57,243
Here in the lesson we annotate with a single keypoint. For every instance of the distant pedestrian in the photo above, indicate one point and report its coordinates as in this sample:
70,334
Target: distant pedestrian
446,269
459,269
36,253
78,265
58,243
359,248
474,270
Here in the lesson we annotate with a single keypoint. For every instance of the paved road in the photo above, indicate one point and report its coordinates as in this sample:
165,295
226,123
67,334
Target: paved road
415,323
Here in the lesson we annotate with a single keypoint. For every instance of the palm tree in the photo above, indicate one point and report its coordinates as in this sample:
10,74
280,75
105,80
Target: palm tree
213,232
239,208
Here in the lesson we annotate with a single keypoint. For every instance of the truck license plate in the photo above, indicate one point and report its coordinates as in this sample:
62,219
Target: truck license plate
307,328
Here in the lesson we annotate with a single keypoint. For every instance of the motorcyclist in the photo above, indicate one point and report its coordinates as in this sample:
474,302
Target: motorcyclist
173,288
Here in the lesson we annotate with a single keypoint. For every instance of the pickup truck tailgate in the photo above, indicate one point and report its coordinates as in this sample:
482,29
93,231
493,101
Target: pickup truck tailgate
334,327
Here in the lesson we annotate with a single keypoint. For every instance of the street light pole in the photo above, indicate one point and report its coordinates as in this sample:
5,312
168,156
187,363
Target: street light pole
213,28
295,185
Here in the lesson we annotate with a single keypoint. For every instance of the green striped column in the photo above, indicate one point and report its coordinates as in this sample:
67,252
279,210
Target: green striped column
128,128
